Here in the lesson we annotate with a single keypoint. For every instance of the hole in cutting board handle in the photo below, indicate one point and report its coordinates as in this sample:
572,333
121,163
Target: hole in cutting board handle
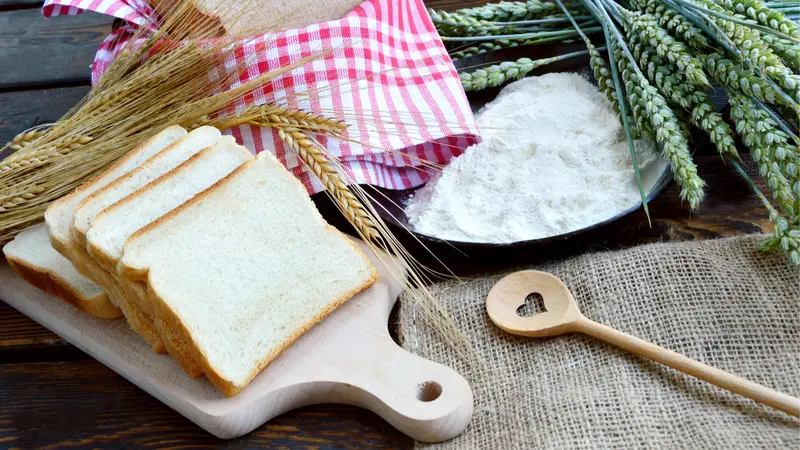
534,304
429,391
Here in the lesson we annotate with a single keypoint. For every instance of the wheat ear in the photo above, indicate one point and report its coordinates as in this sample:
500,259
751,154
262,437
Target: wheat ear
303,120
41,155
271,115
311,154
292,126
23,140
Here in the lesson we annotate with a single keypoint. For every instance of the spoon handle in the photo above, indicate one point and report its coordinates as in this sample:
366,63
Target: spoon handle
725,380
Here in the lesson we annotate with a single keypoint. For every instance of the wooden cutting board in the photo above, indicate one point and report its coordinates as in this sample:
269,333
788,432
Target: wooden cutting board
348,358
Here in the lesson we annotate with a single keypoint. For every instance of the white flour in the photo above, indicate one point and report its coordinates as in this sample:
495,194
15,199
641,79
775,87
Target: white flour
554,159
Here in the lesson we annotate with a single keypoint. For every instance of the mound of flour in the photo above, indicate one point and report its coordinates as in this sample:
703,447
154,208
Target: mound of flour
553,159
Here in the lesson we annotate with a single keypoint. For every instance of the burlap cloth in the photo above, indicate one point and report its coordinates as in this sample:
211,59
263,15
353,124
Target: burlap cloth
721,302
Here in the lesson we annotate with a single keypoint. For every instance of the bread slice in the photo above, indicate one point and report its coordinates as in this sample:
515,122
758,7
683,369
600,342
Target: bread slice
59,216
158,165
35,261
111,228
245,268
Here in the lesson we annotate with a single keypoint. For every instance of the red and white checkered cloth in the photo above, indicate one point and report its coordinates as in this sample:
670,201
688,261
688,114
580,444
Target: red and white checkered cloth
389,77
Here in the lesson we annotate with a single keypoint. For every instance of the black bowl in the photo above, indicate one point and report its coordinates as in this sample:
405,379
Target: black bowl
464,258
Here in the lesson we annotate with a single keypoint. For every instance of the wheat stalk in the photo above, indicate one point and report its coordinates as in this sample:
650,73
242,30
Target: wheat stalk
498,74
314,157
303,120
651,109
765,139
787,50
785,235
748,41
170,85
511,11
272,115
666,76
735,77
455,24
663,73
39,155
640,120
777,163
485,47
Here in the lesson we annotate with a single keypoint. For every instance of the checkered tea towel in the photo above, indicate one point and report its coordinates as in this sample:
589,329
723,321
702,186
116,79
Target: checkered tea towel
388,75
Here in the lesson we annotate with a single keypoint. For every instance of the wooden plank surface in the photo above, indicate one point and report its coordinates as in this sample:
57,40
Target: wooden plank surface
55,51
20,110
83,404
20,4
16,330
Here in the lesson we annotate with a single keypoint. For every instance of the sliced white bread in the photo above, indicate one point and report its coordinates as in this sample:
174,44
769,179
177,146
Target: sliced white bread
158,165
35,261
112,227
59,216
245,268
162,162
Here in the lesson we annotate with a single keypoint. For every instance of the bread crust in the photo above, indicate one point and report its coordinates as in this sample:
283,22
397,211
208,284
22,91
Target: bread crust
140,322
50,283
79,235
105,258
165,219
116,165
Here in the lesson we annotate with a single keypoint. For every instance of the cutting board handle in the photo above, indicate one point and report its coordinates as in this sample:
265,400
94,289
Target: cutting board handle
423,399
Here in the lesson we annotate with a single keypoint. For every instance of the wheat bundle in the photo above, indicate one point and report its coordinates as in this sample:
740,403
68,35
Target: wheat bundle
163,78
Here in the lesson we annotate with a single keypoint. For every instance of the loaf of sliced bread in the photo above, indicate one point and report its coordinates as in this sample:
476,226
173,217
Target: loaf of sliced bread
245,268
158,165
35,261
59,216
112,227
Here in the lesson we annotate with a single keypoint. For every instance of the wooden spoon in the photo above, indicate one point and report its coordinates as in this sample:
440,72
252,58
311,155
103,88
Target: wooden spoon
563,316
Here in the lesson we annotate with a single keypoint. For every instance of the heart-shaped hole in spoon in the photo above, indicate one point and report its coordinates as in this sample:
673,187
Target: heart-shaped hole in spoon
534,304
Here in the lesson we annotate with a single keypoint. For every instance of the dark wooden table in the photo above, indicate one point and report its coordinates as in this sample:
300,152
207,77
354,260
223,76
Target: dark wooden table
53,395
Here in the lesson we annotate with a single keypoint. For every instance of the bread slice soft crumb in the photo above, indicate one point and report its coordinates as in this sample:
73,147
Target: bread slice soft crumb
244,269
